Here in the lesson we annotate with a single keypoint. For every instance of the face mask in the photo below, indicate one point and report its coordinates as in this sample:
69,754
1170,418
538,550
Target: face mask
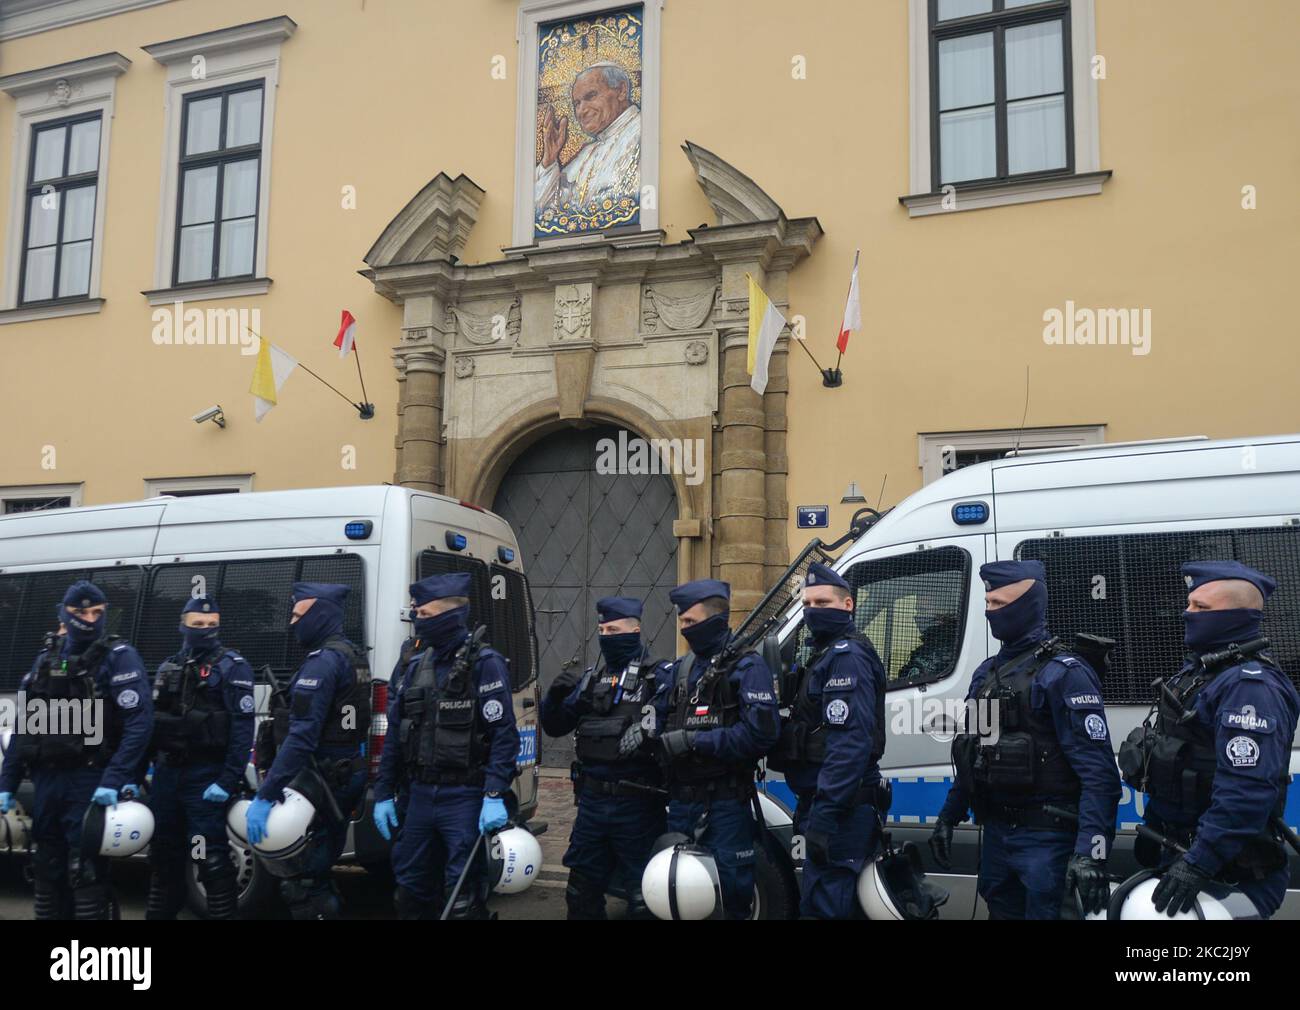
313,627
446,628
1020,618
619,650
81,633
197,640
827,622
708,636
1208,630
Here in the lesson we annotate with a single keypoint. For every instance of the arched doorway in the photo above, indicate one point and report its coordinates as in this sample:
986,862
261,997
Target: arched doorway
585,535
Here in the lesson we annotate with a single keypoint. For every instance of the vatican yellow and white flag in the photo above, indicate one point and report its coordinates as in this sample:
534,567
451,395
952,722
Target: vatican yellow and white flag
273,368
765,325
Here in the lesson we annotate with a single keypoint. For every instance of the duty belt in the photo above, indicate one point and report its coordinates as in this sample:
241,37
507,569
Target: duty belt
1029,816
432,777
588,785
728,788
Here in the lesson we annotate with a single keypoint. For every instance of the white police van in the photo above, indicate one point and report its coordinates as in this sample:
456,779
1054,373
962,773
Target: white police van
1112,524
248,550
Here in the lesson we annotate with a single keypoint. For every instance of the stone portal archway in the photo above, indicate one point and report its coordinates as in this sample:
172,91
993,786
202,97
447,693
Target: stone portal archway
583,535
616,328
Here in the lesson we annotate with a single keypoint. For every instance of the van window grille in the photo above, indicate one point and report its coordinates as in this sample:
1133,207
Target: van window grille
913,608
1129,588
253,594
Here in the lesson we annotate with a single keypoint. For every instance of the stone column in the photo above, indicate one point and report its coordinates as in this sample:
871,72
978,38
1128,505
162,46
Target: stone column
741,502
776,541
419,436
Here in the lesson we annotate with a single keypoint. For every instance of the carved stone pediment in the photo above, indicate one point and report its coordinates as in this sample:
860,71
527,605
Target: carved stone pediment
734,196
433,226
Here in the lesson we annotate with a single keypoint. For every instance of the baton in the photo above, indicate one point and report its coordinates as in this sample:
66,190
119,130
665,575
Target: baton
455,891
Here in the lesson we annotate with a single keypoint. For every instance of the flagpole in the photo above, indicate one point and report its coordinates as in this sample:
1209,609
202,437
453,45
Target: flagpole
360,407
840,356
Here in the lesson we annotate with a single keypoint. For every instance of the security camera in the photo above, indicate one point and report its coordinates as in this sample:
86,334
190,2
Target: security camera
213,413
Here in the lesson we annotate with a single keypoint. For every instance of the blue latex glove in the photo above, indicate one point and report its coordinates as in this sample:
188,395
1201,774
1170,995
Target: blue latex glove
492,815
258,811
130,792
386,818
215,794
105,797
6,802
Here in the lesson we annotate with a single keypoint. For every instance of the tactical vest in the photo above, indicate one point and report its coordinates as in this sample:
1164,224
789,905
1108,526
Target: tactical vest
442,734
348,723
600,730
190,720
1025,759
1175,760
803,732
712,704
59,686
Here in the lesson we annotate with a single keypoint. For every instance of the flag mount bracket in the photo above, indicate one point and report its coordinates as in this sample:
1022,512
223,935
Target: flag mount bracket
366,410
832,378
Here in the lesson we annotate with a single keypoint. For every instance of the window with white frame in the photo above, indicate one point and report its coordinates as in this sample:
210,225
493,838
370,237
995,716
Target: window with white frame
217,134
1003,101
1002,105
62,186
221,156
943,452
188,487
55,237
38,497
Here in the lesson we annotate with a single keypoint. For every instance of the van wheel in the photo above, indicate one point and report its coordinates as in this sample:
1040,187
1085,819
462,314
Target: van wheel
256,887
776,894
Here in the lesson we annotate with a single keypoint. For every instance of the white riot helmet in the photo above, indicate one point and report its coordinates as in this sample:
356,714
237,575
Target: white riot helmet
893,887
122,829
514,860
681,880
5,734
287,825
1216,902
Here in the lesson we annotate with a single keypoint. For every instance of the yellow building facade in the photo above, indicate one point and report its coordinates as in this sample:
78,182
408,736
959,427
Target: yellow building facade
1075,217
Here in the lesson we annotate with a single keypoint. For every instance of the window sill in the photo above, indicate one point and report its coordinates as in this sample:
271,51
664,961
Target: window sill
51,310
1001,194
240,287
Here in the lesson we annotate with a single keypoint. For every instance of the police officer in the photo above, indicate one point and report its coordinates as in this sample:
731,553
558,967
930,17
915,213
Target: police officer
203,732
323,732
1217,765
73,766
616,779
452,750
720,717
830,750
1042,741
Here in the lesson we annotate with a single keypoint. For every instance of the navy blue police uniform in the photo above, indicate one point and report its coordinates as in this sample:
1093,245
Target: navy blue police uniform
829,751
1042,741
718,720
321,737
71,768
617,782
1216,764
203,735
451,752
